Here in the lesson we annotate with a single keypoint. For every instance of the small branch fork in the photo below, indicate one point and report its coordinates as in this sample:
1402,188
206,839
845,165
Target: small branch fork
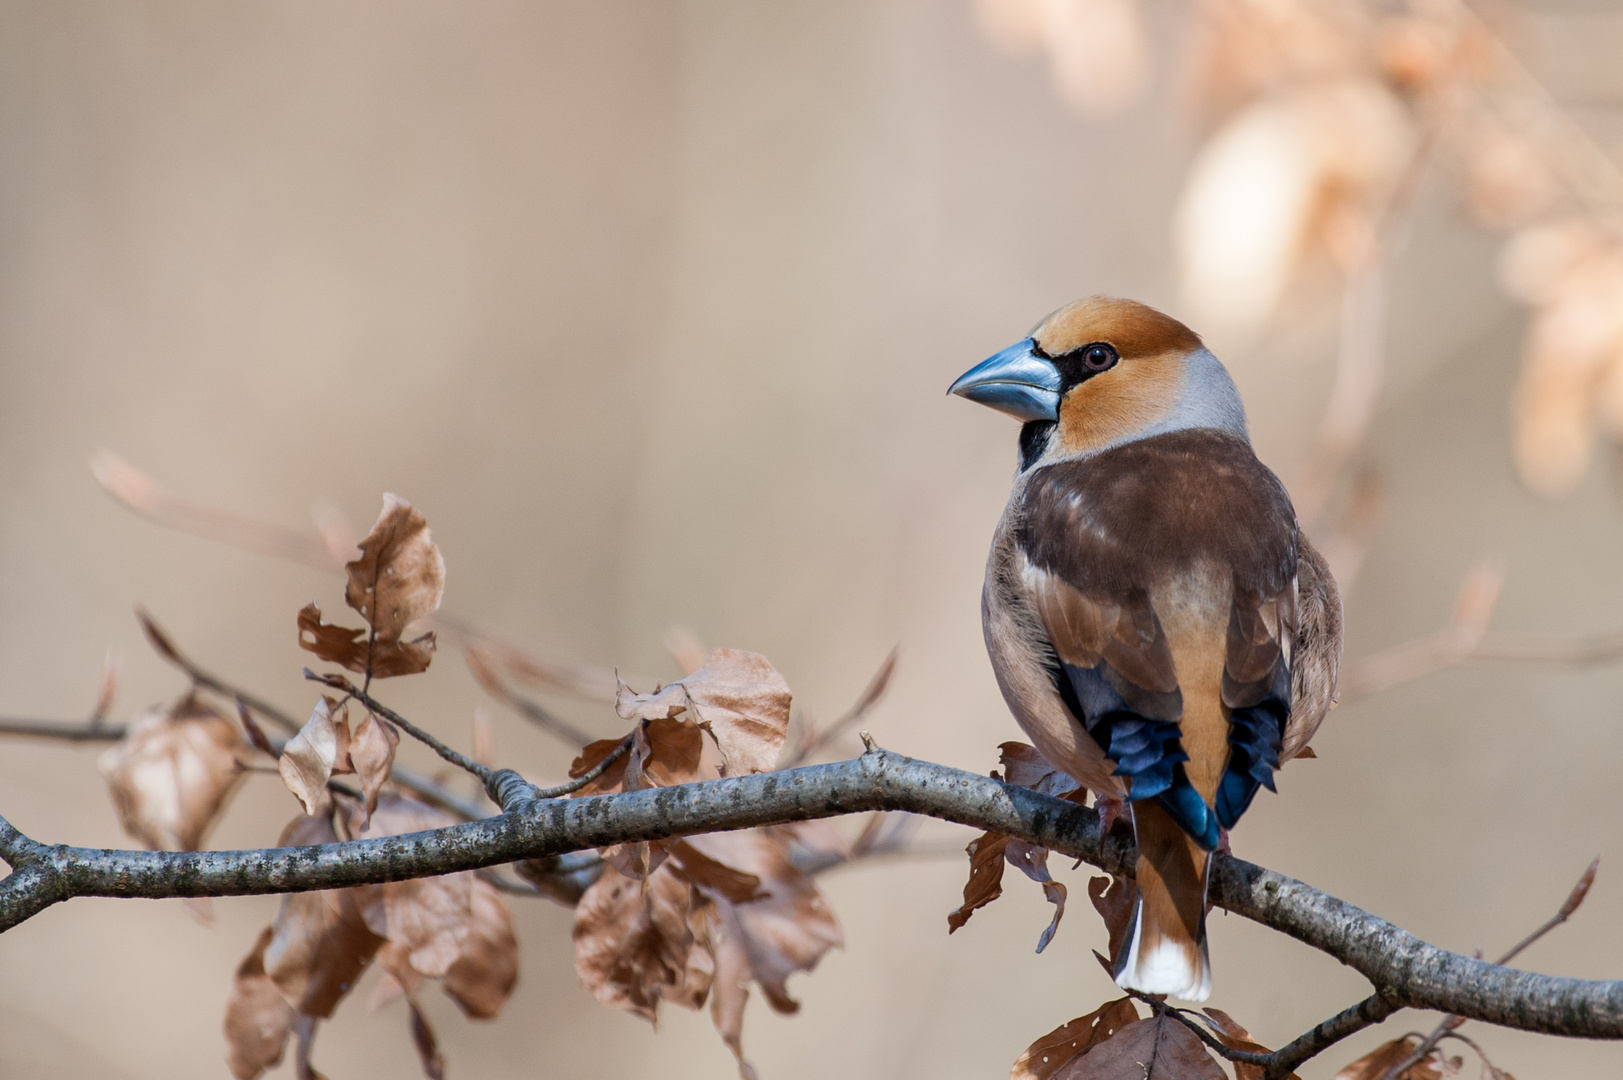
1372,1010
1406,971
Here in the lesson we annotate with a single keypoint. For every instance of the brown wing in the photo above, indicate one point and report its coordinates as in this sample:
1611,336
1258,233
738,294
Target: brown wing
1122,641
1316,659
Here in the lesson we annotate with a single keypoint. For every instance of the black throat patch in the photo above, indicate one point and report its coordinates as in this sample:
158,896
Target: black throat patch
1034,436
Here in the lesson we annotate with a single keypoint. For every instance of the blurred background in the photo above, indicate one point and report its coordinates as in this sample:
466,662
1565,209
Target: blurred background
650,308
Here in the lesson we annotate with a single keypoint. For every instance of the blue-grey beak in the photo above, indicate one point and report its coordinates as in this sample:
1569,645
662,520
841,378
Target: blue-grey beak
1016,381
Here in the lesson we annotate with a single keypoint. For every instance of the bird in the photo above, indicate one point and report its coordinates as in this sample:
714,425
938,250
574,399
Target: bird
1158,623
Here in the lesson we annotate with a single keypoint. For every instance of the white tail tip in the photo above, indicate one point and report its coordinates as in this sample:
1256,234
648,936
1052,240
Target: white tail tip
1167,967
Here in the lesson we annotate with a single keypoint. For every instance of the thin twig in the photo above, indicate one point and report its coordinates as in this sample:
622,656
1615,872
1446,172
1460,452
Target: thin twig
139,493
63,730
589,775
812,741
1571,904
1244,1057
485,674
165,648
460,760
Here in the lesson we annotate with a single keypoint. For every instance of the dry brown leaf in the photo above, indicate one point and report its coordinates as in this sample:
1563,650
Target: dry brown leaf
309,757
1232,1035
321,941
787,930
590,758
1374,1065
635,945
487,969
371,752
1032,861
730,993
1159,1046
737,697
1024,767
985,882
257,1017
335,644
1113,898
716,878
1061,1048
399,576
664,753
171,774
429,916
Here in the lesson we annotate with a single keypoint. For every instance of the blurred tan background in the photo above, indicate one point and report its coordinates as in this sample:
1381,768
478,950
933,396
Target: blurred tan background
650,308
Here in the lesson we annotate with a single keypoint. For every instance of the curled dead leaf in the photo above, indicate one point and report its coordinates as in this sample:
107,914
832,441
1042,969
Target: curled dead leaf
1375,1064
590,758
171,774
985,882
400,575
1032,861
310,757
784,931
486,969
431,916
1025,767
1113,899
635,944
663,753
340,645
371,753
737,697
321,941
257,1017
1232,1035
721,911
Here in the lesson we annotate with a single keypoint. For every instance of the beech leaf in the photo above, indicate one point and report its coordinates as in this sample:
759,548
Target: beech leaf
635,943
1025,767
371,751
590,758
1157,1047
737,697
1055,1053
399,576
308,758
486,970
1232,1035
1376,1063
171,774
663,753
786,930
1113,898
985,882
321,941
257,1017
1032,861
335,644
430,916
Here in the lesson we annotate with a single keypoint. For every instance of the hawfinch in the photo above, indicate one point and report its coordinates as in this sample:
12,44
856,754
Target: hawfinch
1159,626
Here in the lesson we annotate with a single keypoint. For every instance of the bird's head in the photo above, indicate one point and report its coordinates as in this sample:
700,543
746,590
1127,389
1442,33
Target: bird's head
1102,372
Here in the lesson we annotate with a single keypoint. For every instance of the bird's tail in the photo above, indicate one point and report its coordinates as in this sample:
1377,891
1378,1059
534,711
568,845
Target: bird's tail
1166,950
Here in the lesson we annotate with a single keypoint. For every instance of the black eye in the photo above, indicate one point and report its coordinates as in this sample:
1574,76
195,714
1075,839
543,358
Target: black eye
1099,357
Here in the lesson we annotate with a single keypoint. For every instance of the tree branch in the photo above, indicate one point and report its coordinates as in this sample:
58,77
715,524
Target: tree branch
1405,970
